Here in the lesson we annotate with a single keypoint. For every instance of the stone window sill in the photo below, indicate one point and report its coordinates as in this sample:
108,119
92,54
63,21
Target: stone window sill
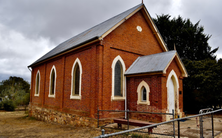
117,98
75,97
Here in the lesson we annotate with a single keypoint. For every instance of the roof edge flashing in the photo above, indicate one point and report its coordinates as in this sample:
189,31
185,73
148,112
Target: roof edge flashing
144,73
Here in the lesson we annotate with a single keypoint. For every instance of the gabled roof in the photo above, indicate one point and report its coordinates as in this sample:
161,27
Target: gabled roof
156,63
99,31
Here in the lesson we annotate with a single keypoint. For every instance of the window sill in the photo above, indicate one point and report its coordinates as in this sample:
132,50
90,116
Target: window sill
146,103
116,98
36,95
51,96
75,97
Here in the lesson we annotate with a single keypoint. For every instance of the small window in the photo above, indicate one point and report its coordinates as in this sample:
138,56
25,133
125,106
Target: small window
52,86
76,80
144,94
143,91
37,84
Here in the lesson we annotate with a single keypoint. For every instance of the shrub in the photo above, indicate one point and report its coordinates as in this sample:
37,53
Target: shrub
8,105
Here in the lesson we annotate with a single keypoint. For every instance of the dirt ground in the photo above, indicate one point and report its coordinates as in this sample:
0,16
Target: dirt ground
17,125
191,128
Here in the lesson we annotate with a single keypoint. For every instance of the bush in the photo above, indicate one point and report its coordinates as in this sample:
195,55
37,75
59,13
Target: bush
8,105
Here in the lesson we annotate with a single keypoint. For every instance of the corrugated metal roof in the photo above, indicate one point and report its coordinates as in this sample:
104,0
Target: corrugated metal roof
151,63
88,35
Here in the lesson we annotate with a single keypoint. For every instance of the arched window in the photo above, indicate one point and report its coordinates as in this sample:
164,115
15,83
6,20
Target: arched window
143,91
76,80
52,85
143,94
118,79
37,84
118,84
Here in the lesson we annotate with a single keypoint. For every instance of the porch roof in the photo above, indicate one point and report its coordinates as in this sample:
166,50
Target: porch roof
155,63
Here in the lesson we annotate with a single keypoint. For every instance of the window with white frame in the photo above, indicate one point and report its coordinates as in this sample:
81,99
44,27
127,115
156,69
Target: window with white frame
118,79
143,91
76,80
52,84
37,84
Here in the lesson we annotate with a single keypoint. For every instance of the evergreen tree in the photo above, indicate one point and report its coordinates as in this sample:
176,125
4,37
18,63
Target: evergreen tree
188,38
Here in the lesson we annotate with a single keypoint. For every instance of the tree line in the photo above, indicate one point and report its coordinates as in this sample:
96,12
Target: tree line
203,87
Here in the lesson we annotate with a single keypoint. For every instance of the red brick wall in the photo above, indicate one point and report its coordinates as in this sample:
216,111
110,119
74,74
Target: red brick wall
127,38
87,68
38,99
50,101
154,82
63,65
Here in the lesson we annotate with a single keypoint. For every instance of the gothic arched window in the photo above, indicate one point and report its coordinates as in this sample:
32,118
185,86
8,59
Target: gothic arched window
143,94
76,80
118,79
52,85
37,84
143,91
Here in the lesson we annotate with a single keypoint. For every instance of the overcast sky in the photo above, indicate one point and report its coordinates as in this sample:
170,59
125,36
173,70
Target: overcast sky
30,28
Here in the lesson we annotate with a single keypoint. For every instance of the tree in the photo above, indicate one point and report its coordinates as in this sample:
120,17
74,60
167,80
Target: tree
219,83
15,91
188,38
203,86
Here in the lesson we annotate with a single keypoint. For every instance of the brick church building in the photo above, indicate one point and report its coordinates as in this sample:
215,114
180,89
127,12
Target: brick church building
122,63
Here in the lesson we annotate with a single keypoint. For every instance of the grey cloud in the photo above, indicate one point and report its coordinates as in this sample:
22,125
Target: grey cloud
55,20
